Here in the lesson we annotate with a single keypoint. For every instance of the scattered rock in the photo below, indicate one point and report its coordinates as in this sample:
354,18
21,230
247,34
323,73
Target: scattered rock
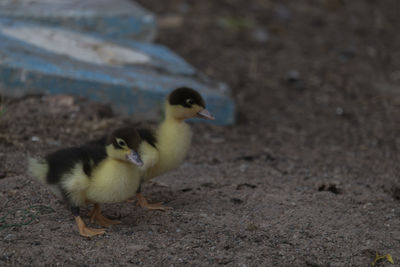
215,161
102,110
260,35
312,263
170,21
236,201
252,227
36,243
241,186
6,257
263,156
224,261
292,76
134,248
60,100
186,189
282,12
339,111
347,54
396,193
35,139
243,167
209,185
236,23
333,188
247,158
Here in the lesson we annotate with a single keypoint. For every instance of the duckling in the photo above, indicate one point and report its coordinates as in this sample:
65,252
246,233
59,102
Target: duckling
172,138
93,174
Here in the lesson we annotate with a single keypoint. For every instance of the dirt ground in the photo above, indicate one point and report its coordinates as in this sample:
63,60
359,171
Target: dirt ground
309,175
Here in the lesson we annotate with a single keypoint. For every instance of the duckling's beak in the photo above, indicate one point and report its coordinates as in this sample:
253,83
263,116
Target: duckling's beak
205,114
134,158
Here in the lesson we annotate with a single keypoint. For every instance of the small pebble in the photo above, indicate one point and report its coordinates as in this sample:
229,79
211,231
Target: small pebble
243,167
236,201
292,76
260,35
282,12
339,111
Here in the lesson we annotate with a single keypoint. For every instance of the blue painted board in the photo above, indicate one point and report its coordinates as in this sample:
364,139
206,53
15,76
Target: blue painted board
27,65
112,18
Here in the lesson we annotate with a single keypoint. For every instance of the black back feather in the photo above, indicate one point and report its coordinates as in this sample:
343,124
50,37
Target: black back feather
62,161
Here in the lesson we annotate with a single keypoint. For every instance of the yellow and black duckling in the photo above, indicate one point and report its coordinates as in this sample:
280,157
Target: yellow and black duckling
93,174
172,138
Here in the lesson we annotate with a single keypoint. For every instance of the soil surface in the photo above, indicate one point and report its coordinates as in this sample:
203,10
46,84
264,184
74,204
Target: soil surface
308,176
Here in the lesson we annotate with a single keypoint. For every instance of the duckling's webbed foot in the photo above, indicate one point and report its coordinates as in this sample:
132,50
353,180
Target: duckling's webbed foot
142,202
83,230
86,231
97,217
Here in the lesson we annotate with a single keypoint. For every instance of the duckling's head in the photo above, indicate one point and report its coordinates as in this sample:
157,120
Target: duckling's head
123,143
184,103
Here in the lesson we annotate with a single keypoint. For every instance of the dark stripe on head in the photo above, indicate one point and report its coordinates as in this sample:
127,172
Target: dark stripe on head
127,134
186,97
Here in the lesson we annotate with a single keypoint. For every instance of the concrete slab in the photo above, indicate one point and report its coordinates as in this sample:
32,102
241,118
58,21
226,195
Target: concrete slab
114,19
134,77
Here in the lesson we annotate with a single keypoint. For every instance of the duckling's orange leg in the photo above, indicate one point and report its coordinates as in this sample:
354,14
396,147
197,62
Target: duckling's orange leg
142,202
86,231
96,216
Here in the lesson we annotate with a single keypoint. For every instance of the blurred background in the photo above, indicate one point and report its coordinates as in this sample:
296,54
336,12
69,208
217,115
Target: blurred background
301,171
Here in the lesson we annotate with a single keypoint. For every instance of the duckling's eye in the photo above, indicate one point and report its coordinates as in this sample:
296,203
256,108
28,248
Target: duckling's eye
190,101
121,142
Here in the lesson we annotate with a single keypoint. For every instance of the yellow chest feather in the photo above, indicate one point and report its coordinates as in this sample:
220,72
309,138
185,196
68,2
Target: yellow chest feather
113,181
174,140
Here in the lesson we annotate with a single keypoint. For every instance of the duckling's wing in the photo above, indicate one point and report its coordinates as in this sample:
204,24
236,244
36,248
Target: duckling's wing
148,136
148,148
76,182
94,154
64,161
149,155
67,172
